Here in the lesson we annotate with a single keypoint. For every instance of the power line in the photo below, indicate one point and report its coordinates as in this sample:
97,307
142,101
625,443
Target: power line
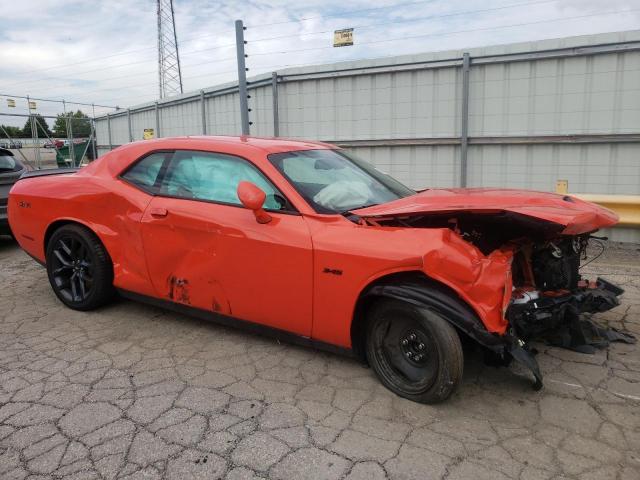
147,84
341,14
139,74
414,19
285,36
55,101
383,41
128,52
270,68
192,37
111,67
217,47
411,37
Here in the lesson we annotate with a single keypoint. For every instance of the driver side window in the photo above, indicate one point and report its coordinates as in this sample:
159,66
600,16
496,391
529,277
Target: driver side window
215,177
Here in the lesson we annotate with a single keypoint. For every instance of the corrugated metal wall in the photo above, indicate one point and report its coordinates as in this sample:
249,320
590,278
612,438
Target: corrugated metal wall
416,166
421,103
586,94
537,112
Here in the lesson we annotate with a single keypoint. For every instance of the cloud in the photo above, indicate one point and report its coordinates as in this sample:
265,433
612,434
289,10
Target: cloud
105,52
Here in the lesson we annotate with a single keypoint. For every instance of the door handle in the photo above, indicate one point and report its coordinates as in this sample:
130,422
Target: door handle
159,212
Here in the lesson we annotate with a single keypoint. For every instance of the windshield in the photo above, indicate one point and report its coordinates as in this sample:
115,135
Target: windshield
333,181
7,163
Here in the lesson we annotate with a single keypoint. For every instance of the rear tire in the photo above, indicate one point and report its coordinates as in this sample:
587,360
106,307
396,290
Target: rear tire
415,352
79,268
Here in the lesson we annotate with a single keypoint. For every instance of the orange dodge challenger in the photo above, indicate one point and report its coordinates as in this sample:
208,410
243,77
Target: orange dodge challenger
303,241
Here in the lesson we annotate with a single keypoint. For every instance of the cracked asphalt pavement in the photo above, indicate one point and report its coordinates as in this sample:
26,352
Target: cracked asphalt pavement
131,391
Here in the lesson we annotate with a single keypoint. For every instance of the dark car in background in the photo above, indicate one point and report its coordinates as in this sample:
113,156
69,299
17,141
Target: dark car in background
10,171
11,144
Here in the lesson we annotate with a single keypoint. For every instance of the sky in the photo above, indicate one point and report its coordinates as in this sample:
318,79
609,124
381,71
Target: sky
105,52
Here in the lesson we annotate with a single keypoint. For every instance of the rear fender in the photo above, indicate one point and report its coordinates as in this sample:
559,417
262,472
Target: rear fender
101,232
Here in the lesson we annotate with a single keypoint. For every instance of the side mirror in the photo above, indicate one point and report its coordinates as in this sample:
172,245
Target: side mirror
252,197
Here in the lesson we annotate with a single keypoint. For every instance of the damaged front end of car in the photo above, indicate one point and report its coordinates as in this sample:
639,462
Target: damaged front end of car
514,257
550,298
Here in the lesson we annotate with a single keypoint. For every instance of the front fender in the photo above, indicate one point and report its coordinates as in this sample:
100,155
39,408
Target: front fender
483,281
431,295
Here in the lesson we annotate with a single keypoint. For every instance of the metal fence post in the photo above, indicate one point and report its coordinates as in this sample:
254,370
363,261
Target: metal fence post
242,78
157,109
274,94
72,150
109,131
203,111
69,135
36,140
34,133
95,135
129,124
464,128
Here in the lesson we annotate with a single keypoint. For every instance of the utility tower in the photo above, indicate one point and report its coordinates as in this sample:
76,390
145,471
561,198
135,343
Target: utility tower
168,57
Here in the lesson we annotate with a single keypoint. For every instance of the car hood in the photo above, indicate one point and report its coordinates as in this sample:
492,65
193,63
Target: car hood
577,216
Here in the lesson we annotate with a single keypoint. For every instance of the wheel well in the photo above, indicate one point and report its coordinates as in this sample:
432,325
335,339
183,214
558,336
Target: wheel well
60,223
364,303
53,227
472,326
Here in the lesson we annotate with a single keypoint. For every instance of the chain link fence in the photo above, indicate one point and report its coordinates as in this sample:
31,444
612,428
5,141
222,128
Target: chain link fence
57,137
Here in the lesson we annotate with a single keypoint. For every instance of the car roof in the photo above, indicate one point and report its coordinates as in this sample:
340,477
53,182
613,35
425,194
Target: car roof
267,144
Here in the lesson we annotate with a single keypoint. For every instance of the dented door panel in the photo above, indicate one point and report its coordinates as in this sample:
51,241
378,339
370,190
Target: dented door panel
217,257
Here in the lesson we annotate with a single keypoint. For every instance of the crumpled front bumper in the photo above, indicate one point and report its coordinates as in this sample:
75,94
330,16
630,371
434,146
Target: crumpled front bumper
550,314
560,320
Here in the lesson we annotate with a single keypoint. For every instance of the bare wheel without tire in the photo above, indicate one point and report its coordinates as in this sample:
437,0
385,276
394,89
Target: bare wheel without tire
79,268
414,351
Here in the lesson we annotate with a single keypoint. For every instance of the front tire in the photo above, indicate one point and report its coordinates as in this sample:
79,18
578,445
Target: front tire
415,352
79,268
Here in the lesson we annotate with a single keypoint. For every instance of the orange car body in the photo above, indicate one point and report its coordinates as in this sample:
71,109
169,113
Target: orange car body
300,273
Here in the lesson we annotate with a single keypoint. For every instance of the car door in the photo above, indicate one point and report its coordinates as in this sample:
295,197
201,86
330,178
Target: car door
205,250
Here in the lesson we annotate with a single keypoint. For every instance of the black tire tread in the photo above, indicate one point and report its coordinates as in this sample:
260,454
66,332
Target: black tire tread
450,351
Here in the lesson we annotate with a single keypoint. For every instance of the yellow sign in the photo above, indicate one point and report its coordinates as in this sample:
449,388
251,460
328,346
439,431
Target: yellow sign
562,186
11,103
148,133
32,105
343,38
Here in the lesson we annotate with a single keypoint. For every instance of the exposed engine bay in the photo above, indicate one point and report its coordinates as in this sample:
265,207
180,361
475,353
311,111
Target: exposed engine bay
549,296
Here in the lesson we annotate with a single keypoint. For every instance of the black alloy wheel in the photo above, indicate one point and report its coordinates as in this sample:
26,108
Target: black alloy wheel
79,268
72,269
414,351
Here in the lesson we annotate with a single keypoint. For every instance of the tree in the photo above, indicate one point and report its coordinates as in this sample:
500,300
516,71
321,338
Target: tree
42,126
13,132
80,125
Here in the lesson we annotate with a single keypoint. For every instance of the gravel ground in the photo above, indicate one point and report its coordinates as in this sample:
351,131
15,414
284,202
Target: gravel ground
131,391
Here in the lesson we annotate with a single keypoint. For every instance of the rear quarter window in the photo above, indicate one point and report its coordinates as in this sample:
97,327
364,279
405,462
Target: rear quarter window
145,174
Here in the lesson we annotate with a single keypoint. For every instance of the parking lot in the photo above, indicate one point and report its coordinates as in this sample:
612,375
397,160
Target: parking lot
47,156
131,391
